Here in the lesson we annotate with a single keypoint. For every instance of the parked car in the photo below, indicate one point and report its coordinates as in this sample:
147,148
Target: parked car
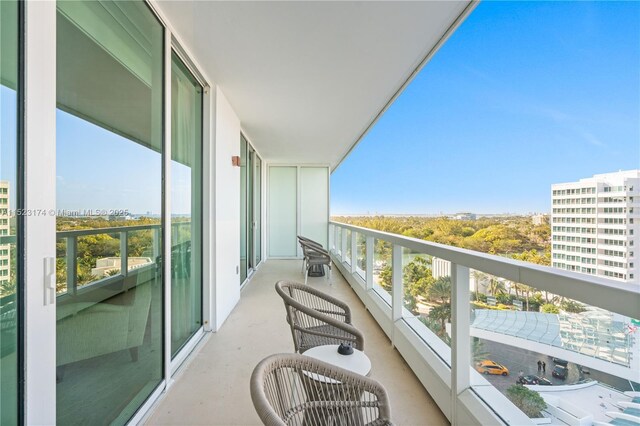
544,381
528,380
584,370
562,362
559,371
490,367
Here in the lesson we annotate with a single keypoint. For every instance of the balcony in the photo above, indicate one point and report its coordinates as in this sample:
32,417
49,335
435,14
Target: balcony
408,357
212,387
228,118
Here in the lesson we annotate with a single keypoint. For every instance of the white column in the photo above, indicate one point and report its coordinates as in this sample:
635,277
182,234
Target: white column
460,334
370,252
354,252
40,195
167,231
343,245
208,212
397,292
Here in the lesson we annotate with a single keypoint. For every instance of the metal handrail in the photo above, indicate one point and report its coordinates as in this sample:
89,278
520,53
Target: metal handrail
71,256
623,298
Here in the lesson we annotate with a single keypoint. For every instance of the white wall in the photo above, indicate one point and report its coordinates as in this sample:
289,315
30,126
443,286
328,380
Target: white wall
297,204
314,203
227,208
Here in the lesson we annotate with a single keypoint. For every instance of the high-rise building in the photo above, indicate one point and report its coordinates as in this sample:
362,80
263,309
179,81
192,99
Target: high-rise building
595,225
5,258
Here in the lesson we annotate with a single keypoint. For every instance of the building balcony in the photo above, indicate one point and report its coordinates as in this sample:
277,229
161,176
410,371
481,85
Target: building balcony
212,386
408,354
224,121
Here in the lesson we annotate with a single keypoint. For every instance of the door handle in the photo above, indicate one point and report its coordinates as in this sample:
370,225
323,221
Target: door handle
49,281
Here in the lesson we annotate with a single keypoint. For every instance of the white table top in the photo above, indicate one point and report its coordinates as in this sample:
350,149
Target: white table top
357,362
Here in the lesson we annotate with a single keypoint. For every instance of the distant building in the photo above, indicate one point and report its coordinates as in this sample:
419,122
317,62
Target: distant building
595,225
5,230
540,219
464,216
440,268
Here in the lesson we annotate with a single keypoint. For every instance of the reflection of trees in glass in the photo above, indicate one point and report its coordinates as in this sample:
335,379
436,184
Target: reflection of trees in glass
90,248
7,288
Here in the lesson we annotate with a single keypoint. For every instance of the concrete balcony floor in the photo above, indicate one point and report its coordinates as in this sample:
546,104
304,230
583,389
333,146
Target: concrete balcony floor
213,387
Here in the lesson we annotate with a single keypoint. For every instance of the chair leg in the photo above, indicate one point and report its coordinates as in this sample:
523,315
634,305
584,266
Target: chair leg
306,274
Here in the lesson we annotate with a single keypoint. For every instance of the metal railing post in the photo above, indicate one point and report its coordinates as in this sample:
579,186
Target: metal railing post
71,257
370,253
156,243
396,282
397,290
343,245
354,252
331,238
460,334
124,256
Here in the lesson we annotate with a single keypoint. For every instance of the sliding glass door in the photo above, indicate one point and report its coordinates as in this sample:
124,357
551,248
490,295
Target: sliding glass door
10,290
257,196
186,204
109,154
250,204
244,216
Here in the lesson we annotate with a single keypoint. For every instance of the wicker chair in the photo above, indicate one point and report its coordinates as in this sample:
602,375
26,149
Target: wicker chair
308,241
316,318
313,254
291,389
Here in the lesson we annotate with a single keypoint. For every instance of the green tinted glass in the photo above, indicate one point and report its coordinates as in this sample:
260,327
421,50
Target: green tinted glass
109,190
186,204
8,223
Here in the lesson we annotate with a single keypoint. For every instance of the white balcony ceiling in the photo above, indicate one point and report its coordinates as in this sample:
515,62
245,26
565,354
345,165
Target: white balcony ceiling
307,78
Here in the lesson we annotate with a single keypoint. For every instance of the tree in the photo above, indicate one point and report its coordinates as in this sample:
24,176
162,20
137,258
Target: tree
549,308
526,290
527,400
496,287
441,314
477,277
572,306
385,277
440,290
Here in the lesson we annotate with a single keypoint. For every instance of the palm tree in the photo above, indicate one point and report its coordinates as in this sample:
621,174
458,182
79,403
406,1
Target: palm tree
441,313
526,290
496,287
440,290
515,287
477,276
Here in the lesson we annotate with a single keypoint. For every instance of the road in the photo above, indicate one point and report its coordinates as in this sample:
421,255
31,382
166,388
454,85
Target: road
518,359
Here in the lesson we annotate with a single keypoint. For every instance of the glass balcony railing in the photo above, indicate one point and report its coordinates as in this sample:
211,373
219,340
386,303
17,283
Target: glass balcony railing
122,251
532,343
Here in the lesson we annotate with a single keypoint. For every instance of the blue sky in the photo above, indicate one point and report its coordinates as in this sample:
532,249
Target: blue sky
523,95
97,169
